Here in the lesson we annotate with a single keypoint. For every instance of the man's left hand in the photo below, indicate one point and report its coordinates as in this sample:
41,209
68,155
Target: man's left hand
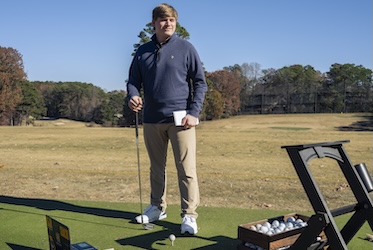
189,121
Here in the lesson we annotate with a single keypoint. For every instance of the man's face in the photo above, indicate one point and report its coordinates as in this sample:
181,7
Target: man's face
164,27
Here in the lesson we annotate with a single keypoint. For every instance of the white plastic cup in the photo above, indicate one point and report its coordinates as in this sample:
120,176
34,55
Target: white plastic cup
178,117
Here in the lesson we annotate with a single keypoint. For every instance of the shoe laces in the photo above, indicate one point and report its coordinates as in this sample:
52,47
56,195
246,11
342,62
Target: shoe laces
190,218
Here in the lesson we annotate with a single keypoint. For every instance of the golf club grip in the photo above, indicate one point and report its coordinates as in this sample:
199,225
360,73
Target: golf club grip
137,124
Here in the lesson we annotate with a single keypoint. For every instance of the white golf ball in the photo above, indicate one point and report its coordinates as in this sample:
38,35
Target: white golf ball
303,224
267,224
275,223
299,221
264,229
289,225
253,228
172,237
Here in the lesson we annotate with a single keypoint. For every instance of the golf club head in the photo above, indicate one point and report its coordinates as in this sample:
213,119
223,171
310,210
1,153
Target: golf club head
148,226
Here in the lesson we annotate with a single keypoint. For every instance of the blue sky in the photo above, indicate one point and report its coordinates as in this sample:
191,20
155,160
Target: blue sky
92,40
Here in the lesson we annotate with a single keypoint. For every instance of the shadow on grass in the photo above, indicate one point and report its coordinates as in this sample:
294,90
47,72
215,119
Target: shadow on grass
366,124
147,240
63,206
19,247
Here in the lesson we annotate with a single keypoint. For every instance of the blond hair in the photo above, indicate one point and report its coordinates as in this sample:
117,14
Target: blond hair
164,10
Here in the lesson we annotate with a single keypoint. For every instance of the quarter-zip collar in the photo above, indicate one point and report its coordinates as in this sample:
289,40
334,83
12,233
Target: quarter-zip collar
158,44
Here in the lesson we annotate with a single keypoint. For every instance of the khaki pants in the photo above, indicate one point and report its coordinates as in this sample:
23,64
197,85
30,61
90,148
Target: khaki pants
183,143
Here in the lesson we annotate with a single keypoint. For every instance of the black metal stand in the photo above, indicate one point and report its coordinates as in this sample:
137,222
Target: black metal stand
323,219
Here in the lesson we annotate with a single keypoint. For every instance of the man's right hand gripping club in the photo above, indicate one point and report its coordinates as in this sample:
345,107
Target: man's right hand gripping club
135,103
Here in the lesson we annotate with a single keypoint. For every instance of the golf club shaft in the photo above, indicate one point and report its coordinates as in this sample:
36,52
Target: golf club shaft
138,161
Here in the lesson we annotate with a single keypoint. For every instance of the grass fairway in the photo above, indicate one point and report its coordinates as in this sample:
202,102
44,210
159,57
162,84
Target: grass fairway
108,225
244,176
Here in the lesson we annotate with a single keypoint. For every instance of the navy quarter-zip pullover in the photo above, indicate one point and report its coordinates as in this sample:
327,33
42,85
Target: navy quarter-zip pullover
172,77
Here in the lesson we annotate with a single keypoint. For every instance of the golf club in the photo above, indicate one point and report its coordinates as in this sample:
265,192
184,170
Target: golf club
147,226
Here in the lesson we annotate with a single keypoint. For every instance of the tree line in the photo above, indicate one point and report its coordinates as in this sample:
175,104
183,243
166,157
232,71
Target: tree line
22,101
302,89
231,91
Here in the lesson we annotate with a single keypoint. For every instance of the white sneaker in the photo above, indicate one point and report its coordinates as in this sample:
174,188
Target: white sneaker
189,225
151,213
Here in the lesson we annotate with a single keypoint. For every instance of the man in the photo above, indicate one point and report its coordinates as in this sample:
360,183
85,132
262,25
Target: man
170,72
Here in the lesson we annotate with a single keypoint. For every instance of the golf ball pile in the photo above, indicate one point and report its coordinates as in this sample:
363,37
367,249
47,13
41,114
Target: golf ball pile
279,226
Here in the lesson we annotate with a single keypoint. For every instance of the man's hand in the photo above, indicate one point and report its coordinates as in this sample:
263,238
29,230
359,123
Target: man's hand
135,104
189,121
